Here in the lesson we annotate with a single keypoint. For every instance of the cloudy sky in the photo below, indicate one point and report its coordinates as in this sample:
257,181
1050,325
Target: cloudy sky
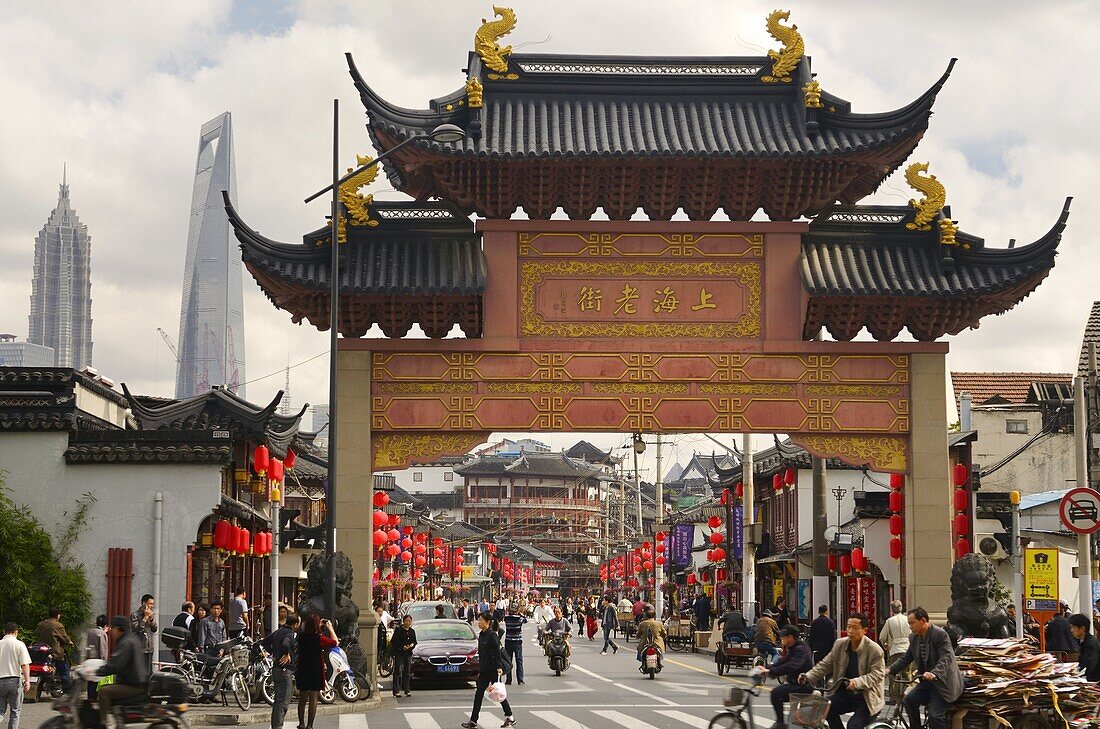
119,90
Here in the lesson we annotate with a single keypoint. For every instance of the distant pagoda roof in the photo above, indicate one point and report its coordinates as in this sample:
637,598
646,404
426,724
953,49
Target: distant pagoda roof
419,263
863,267
656,132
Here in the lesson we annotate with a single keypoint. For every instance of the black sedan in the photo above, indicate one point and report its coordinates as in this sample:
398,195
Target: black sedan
445,649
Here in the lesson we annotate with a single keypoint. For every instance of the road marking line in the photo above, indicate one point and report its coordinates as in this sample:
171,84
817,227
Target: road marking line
648,695
590,673
623,720
684,718
560,721
353,721
724,678
421,720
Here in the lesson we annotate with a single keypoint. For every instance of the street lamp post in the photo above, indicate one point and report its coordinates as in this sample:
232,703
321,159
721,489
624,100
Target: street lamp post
445,133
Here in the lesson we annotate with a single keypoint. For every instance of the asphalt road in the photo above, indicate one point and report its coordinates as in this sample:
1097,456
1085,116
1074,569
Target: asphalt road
596,691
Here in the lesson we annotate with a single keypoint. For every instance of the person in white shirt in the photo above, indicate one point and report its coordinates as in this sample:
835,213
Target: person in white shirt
543,615
894,639
15,674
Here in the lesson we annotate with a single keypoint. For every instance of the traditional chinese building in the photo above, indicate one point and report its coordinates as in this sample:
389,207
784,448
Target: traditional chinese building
622,325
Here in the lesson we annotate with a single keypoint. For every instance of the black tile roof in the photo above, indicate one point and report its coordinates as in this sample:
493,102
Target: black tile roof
44,398
866,251
529,464
629,106
416,249
139,446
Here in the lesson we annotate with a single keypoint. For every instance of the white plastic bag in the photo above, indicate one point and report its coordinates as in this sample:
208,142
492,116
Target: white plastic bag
498,692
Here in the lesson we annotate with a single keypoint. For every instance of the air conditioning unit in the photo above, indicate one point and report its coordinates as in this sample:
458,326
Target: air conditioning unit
987,544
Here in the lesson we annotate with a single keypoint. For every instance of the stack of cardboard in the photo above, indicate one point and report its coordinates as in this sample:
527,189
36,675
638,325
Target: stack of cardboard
1008,677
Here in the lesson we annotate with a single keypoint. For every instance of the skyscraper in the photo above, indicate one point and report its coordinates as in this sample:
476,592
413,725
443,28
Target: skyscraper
61,292
211,341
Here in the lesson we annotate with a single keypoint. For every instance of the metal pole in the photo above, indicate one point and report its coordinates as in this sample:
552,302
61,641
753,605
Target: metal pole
1080,437
1017,566
274,567
334,325
622,505
638,484
158,537
748,568
820,585
659,570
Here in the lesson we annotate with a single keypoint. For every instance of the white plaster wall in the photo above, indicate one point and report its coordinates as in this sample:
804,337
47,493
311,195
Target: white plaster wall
1045,466
36,475
432,479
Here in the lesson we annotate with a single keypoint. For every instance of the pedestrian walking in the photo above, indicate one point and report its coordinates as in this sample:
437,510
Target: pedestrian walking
591,623
95,641
282,644
702,613
782,613
237,625
610,622
15,674
894,636
309,675
52,633
143,623
402,644
1088,656
513,642
1059,638
857,668
933,659
823,634
492,666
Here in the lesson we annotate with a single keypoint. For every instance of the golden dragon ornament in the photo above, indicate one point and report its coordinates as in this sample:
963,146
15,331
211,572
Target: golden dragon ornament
485,40
357,206
786,59
935,195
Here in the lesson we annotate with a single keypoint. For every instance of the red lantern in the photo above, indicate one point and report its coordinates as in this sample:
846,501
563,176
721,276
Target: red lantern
260,459
660,536
961,500
406,556
896,525
897,481
845,564
897,501
394,520
789,476
706,577
716,538
710,555
437,563
406,543
266,547
243,540
725,497
275,470
660,547
777,482
648,566
438,541
959,474
895,548
859,562
291,459
379,537
381,498
739,490
719,554
393,535
221,532
962,525
408,529
692,579
393,550
832,562
380,518
420,537
962,548
421,560
714,522
419,549
660,560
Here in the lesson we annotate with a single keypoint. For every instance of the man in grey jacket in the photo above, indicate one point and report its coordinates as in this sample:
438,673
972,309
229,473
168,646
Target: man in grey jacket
856,666
933,661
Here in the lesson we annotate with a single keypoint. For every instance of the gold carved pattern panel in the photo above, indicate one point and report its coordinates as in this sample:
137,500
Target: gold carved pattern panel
880,453
400,450
646,245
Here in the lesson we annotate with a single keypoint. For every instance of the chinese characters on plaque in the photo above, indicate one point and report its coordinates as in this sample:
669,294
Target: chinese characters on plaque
665,300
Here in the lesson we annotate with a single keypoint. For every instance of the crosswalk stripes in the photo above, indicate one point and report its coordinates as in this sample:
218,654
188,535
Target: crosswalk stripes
622,719
421,720
558,720
353,721
685,718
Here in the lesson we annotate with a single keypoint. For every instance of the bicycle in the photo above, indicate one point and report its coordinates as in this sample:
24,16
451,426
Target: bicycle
676,637
209,676
738,706
899,719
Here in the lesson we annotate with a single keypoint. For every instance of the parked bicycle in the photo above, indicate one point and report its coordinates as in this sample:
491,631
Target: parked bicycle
210,677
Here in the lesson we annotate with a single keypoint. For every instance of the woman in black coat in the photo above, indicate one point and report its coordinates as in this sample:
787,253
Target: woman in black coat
491,668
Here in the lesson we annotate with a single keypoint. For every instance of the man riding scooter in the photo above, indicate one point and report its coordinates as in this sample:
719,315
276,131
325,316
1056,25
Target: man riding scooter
651,631
127,664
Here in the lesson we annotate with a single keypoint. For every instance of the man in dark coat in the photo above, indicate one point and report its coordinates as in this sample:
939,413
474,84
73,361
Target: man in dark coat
822,634
1089,654
796,661
702,613
127,664
934,663
1059,638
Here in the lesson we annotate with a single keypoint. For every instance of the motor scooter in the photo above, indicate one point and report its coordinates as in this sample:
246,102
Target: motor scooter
44,678
163,703
649,656
340,678
557,653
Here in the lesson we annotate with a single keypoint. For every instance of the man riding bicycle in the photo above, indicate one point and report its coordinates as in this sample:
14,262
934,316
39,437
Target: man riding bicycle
797,660
856,666
933,659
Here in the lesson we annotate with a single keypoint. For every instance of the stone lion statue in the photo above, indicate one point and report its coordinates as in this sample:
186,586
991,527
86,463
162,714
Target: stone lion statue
347,612
973,613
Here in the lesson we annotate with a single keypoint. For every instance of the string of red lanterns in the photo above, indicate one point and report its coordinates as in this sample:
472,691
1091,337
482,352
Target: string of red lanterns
960,500
897,524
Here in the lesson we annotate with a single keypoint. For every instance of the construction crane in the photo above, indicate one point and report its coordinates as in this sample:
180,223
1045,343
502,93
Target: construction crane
171,346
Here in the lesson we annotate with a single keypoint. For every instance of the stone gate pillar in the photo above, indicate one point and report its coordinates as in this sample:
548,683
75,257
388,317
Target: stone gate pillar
928,539
355,488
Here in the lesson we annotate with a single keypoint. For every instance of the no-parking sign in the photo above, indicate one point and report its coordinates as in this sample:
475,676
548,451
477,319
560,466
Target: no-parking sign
1080,510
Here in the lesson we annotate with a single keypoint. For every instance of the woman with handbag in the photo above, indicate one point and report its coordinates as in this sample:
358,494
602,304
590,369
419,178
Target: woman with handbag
493,665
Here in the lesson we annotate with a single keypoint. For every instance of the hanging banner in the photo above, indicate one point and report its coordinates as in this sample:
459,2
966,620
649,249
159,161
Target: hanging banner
852,603
868,603
738,532
803,599
682,537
